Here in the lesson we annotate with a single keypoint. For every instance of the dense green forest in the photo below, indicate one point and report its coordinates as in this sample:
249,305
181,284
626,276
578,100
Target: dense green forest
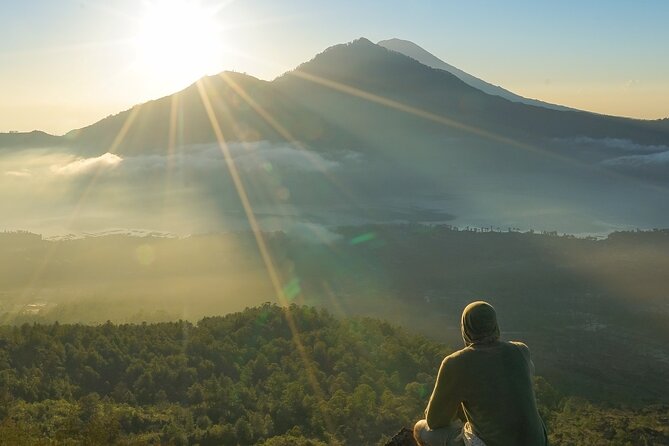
268,375
594,310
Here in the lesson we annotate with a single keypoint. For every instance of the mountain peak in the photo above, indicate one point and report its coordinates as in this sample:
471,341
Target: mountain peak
423,56
418,53
344,57
360,43
367,66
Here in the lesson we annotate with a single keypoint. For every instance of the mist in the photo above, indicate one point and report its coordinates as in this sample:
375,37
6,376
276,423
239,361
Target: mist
57,191
54,192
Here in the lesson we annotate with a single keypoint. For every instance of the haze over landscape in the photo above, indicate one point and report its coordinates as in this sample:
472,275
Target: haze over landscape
271,183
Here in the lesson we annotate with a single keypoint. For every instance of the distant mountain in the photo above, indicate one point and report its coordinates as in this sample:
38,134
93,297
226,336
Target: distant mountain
236,100
313,103
389,85
32,139
404,139
414,51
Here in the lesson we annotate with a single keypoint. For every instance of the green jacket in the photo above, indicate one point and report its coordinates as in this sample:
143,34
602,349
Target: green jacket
492,383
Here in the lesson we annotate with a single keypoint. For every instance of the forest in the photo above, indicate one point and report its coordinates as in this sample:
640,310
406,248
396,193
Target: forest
593,309
268,375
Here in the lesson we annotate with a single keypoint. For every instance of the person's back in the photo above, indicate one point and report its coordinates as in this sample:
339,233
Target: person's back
491,381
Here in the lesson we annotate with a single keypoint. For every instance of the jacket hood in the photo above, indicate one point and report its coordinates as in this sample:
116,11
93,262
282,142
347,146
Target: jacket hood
479,324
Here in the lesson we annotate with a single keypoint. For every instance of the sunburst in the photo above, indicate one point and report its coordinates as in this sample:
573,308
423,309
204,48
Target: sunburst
179,41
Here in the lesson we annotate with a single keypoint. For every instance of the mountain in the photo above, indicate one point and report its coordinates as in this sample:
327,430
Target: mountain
391,83
235,100
400,83
313,104
32,139
362,130
414,51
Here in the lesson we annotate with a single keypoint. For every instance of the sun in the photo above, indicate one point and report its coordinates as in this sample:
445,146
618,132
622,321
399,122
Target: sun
178,41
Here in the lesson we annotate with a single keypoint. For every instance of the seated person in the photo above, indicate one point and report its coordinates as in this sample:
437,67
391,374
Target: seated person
488,385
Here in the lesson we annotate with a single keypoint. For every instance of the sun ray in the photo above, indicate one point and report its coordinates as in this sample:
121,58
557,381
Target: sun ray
433,117
275,279
289,138
396,105
269,119
172,132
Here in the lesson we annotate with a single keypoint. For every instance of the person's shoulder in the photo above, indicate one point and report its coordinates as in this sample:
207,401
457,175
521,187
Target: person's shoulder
524,349
520,345
458,355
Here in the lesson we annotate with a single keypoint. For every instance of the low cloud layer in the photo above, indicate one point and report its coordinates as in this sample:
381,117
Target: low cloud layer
248,157
647,161
87,165
652,159
613,144
54,192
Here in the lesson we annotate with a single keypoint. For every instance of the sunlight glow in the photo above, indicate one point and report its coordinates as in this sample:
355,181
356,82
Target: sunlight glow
178,42
272,271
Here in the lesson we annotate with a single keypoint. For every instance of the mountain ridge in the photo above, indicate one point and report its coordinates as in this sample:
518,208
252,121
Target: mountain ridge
423,56
358,66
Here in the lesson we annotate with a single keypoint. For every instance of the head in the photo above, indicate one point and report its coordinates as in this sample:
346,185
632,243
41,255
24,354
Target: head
479,324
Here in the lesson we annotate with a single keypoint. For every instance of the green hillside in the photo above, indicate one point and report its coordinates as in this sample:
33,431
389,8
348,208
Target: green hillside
246,378
594,311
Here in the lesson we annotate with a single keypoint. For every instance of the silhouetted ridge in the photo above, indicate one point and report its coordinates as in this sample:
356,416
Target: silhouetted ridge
362,63
416,52
35,138
387,74
238,102
319,104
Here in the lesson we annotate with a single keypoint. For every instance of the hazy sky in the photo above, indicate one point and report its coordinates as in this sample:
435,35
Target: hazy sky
67,63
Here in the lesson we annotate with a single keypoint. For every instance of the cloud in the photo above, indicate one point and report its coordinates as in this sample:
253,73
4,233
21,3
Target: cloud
648,161
260,156
87,165
48,190
263,157
18,173
284,156
201,163
651,159
613,144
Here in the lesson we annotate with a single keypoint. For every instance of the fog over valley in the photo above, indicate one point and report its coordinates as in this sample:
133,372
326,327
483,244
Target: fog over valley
56,191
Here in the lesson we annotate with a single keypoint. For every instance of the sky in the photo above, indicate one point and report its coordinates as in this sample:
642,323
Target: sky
65,64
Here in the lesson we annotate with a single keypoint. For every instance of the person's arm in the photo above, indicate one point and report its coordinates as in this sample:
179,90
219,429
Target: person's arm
526,353
445,401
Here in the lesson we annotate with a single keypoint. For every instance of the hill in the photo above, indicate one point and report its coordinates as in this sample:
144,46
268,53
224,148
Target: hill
240,379
594,311
36,138
246,379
